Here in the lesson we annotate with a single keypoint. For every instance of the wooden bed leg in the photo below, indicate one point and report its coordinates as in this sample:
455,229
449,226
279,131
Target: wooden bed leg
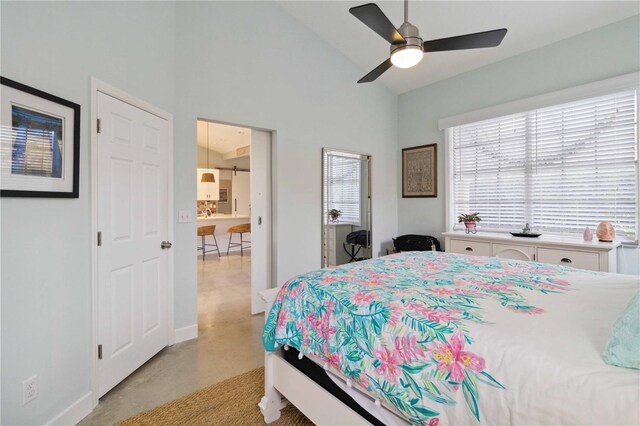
272,401
271,404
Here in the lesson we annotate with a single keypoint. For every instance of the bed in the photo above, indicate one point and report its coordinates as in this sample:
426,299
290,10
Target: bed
446,339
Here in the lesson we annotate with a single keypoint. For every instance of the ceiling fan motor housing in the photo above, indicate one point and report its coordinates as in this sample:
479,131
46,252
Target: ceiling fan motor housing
411,35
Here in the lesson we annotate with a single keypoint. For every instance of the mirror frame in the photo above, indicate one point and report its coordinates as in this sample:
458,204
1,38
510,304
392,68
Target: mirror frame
369,180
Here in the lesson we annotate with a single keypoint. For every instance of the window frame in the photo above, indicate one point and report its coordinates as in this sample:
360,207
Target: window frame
590,90
355,155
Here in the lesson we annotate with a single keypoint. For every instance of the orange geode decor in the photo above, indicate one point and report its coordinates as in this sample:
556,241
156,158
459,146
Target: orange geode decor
605,232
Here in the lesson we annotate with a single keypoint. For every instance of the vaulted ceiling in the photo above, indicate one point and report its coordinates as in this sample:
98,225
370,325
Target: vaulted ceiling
531,24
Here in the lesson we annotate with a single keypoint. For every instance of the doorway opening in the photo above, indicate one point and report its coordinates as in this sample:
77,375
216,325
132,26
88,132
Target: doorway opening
233,238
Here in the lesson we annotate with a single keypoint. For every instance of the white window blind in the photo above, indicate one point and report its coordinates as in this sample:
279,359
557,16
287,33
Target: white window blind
560,168
342,186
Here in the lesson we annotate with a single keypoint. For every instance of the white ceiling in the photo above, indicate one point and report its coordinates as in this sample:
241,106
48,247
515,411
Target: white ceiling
530,24
222,137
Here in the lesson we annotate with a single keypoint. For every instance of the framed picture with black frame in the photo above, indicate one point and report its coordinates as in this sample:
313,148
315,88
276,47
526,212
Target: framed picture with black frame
39,143
420,171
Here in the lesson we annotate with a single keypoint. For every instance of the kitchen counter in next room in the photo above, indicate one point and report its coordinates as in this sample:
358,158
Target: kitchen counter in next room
222,216
223,222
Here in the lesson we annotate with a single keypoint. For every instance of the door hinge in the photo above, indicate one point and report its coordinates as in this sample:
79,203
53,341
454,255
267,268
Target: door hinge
99,351
99,125
99,239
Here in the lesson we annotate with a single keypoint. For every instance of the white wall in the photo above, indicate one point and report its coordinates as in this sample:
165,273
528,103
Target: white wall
45,278
275,74
602,53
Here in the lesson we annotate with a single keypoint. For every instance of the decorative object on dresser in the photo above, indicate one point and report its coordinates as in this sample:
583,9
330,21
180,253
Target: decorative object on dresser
334,214
587,235
559,250
420,171
40,143
526,232
606,232
470,220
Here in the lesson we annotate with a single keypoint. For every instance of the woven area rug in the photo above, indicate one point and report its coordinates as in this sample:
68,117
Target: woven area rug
231,402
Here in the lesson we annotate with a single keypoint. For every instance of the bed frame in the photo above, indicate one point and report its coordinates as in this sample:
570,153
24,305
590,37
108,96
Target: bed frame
284,383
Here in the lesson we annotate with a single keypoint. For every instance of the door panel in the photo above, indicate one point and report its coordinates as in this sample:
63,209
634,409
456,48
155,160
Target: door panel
260,196
132,211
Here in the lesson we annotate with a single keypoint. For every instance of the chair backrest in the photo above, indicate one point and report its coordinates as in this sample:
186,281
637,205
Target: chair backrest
206,230
412,242
240,229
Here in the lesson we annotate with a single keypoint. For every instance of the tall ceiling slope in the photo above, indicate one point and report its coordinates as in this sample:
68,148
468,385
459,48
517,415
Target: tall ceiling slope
531,24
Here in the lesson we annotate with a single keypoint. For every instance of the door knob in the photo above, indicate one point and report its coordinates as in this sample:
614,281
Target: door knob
165,245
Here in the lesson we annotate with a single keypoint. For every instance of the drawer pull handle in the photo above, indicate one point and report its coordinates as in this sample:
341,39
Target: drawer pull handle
565,260
469,249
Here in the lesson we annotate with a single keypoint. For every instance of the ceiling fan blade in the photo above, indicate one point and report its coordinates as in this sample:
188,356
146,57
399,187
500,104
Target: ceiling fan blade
371,15
469,41
377,72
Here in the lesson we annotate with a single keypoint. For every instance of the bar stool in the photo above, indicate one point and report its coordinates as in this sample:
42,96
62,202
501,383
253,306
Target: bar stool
245,228
203,231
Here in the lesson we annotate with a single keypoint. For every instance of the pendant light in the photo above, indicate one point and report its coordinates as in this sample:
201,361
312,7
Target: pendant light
208,177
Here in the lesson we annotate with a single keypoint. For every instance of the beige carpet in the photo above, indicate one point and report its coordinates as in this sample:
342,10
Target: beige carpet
231,402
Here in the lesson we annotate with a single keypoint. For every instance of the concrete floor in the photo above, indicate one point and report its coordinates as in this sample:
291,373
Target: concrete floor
228,343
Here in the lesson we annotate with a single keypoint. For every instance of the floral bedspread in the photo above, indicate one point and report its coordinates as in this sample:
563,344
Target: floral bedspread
396,326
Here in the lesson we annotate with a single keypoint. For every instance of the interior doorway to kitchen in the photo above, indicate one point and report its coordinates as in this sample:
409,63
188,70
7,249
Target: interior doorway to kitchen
233,236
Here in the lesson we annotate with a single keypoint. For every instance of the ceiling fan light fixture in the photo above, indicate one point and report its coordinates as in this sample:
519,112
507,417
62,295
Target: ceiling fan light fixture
407,56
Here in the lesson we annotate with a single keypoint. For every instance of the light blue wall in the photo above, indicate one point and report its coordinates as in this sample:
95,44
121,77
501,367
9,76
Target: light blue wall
45,251
240,62
274,73
602,53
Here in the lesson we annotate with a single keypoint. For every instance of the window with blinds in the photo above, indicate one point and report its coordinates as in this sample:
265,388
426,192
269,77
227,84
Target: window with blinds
342,189
560,168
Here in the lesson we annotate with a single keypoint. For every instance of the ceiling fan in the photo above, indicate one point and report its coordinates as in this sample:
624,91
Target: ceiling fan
407,48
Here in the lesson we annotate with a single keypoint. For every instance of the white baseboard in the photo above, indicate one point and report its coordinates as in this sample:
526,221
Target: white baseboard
75,412
186,333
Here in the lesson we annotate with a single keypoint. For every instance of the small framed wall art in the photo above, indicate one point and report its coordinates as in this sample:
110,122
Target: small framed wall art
420,171
39,143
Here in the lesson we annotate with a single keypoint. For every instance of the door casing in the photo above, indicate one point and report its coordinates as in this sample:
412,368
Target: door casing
270,225
100,86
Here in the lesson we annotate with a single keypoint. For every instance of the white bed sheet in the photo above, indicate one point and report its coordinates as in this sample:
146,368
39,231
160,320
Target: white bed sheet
550,364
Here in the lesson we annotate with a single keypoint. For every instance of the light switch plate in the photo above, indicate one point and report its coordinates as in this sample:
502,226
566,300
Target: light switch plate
184,216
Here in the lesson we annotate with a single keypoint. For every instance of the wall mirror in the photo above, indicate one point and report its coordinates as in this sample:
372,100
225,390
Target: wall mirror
346,207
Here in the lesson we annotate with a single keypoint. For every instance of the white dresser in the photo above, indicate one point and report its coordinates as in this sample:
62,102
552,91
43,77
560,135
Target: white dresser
567,251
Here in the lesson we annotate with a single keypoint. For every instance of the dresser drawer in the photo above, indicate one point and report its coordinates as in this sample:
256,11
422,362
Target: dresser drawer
470,247
575,259
512,251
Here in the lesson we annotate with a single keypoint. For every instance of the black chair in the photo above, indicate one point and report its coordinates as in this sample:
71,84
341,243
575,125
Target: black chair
412,242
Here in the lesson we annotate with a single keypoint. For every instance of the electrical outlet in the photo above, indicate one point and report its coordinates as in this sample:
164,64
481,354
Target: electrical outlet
29,389
184,216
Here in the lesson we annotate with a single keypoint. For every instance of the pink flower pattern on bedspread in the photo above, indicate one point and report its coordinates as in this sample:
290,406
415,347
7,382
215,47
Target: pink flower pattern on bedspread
396,325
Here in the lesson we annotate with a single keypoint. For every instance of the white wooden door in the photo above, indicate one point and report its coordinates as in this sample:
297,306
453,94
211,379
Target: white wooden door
260,216
241,191
133,221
